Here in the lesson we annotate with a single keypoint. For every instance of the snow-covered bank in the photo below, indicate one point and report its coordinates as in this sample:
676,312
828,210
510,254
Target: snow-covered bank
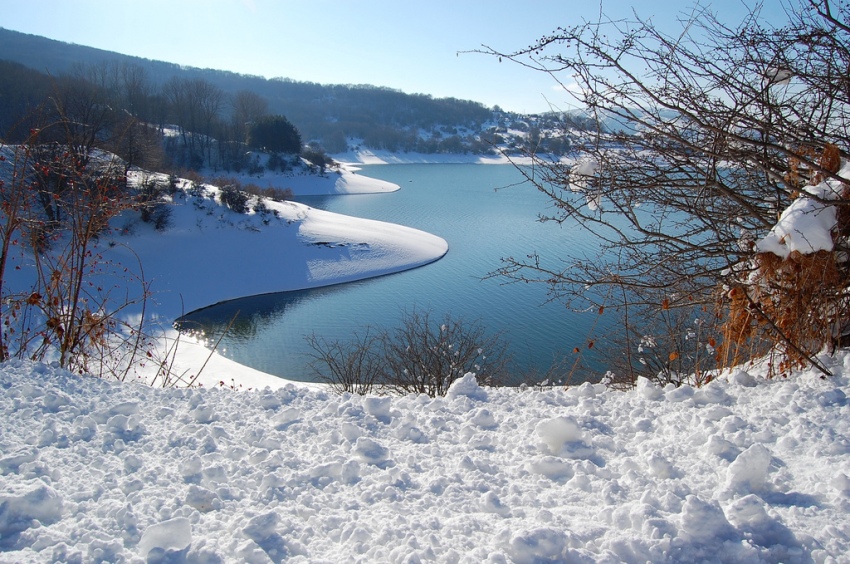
333,182
212,254
747,470
373,157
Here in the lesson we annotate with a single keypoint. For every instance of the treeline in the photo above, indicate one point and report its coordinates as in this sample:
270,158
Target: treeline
189,123
328,115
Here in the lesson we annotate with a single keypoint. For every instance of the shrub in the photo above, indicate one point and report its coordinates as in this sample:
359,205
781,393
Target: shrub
172,183
278,194
234,199
790,308
420,356
67,314
272,193
152,208
317,157
251,189
348,366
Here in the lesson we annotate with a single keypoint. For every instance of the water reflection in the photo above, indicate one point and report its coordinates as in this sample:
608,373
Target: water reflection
320,202
248,317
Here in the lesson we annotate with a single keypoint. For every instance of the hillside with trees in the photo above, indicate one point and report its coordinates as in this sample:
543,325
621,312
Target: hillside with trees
337,118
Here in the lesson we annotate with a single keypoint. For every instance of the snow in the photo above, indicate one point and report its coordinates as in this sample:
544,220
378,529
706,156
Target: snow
204,257
806,226
744,469
583,179
378,157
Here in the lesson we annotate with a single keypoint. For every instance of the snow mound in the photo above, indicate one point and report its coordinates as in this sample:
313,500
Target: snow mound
171,536
748,472
807,225
467,386
559,434
23,509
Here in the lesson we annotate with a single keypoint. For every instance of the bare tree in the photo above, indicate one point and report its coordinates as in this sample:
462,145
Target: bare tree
420,356
351,366
248,107
78,115
72,312
703,137
135,90
209,102
195,104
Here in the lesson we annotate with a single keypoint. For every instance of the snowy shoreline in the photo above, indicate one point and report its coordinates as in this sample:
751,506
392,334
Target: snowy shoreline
381,157
393,249
303,248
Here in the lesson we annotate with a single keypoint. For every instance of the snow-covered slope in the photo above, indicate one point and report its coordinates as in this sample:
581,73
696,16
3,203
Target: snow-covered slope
210,253
744,470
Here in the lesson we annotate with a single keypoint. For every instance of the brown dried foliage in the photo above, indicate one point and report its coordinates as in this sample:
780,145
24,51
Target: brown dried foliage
800,169
830,160
792,308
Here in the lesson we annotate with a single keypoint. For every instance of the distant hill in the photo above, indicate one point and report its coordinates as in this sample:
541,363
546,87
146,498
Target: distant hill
336,116
58,57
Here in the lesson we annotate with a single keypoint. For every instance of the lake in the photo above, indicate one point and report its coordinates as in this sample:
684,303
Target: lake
485,213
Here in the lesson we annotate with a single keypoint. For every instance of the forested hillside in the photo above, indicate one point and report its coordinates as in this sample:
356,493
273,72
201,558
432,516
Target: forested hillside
336,117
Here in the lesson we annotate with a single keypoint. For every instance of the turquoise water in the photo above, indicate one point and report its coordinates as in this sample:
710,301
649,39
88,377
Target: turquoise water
485,214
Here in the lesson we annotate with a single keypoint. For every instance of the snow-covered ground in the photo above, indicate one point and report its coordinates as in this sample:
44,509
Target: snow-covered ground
742,470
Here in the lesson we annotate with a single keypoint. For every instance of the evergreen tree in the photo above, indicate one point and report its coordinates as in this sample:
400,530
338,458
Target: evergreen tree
275,134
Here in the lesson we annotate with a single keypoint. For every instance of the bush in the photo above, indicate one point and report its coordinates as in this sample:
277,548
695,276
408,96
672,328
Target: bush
67,315
152,209
420,356
272,193
349,367
172,184
234,199
317,157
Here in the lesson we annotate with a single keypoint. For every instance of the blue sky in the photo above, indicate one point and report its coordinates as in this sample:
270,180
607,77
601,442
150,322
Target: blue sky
409,45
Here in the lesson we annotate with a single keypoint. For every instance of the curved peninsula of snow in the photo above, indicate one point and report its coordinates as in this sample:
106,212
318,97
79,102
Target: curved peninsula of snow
211,254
